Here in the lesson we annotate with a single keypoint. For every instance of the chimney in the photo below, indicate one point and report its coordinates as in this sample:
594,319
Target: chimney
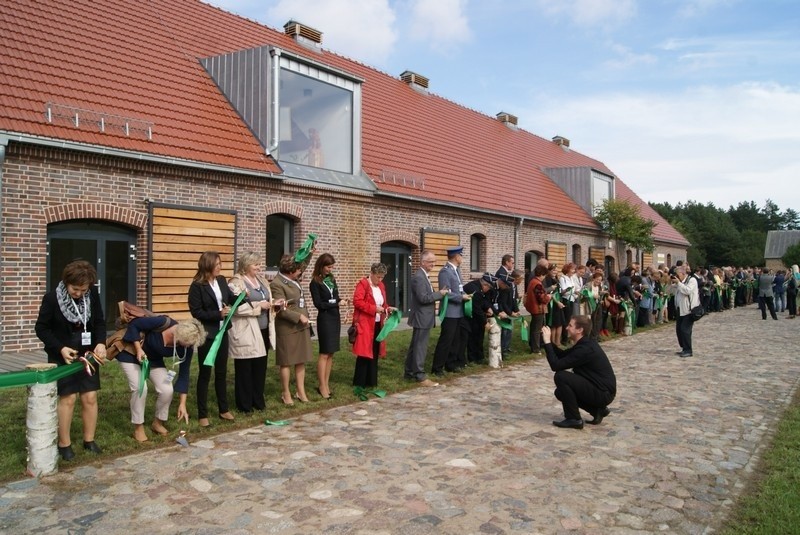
561,141
507,119
305,35
417,81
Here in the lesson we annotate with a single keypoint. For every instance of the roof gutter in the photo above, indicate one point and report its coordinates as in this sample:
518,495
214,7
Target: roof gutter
130,154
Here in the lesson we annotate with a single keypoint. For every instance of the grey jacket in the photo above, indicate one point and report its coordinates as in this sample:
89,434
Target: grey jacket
423,297
765,283
450,277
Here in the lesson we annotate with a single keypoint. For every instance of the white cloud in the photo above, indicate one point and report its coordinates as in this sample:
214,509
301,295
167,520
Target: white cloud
360,29
591,13
441,23
708,144
626,58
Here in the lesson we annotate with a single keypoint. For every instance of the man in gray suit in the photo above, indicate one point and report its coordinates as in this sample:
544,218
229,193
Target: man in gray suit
421,318
452,344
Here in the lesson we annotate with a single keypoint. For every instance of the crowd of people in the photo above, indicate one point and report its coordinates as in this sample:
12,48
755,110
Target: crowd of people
244,317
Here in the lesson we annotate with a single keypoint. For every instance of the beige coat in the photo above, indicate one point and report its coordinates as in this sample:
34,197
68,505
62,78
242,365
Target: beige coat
245,340
292,337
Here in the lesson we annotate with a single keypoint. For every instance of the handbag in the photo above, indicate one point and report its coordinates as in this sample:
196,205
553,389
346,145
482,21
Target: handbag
352,331
697,312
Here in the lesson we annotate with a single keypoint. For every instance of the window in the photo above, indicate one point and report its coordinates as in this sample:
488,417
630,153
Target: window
601,189
476,253
280,239
316,118
576,255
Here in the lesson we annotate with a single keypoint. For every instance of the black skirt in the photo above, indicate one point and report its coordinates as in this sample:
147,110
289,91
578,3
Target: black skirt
329,330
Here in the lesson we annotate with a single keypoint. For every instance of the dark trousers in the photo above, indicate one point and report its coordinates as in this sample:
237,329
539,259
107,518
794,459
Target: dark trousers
477,329
574,392
769,303
366,372
450,348
417,353
220,378
683,328
535,335
672,313
505,339
567,311
791,303
250,375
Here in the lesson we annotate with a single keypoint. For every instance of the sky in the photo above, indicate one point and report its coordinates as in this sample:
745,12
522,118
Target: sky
684,100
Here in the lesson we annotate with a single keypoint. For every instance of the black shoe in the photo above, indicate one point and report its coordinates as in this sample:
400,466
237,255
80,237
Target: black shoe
92,446
679,352
438,374
684,354
66,452
599,414
569,423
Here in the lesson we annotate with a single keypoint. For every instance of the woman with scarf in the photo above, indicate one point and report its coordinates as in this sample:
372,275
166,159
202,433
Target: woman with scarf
71,324
325,295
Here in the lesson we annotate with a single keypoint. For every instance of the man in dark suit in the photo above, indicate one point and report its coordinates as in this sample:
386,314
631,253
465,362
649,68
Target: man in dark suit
451,346
591,385
421,318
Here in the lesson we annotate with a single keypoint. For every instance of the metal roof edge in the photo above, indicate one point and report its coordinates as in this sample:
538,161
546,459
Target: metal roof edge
134,155
293,181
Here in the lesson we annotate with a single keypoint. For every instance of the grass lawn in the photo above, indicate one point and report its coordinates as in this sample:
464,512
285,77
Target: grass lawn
114,428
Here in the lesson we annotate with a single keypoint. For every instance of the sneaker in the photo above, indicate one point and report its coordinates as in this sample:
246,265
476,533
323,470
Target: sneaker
427,382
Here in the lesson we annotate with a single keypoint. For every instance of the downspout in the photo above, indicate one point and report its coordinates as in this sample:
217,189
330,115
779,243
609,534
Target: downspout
516,237
275,66
3,145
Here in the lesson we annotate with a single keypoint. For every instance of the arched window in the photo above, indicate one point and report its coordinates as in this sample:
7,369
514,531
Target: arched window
576,255
280,239
628,258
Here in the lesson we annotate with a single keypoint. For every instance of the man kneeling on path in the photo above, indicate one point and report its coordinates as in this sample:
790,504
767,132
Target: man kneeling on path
591,385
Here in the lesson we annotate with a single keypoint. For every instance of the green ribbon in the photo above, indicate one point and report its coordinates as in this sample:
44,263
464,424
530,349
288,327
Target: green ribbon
630,314
389,325
660,301
30,377
508,324
276,422
550,305
214,349
587,294
525,331
363,393
468,308
443,307
305,251
144,373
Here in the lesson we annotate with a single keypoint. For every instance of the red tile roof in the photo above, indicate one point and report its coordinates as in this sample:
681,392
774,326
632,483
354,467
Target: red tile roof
140,60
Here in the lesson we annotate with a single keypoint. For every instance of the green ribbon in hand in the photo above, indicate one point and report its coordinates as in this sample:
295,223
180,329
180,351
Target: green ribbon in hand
389,325
587,294
304,252
443,307
144,373
30,377
468,308
211,357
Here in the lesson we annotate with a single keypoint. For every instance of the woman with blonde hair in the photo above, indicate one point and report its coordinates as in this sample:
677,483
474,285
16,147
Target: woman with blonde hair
154,339
251,335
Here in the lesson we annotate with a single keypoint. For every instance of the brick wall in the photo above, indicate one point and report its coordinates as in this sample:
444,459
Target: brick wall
43,185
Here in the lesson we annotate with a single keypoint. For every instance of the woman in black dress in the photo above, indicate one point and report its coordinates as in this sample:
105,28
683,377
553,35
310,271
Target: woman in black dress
555,317
325,294
71,323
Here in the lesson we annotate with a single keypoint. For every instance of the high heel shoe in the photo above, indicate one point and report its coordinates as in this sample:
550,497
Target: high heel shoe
320,393
203,422
298,398
227,416
289,403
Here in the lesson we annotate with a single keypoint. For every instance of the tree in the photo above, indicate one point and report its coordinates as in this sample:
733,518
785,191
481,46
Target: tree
622,222
791,256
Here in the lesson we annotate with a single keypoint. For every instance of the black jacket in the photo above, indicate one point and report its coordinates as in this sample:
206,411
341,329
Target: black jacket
56,331
203,304
587,359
